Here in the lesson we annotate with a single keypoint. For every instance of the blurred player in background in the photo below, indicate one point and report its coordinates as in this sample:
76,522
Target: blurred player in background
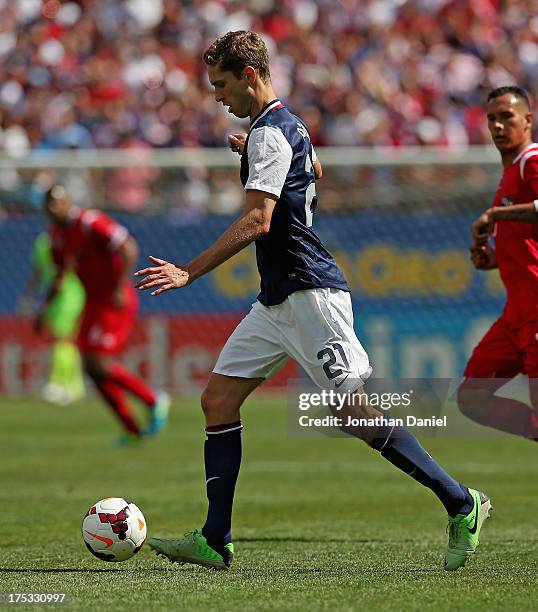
303,311
102,253
510,347
59,323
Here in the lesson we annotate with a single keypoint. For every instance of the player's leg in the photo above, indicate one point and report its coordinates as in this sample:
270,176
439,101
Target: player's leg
66,372
467,508
533,391
71,304
212,546
341,365
529,345
221,402
65,382
324,324
104,332
96,366
496,359
400,447
75,375
97,343
250,356
157,402
117,325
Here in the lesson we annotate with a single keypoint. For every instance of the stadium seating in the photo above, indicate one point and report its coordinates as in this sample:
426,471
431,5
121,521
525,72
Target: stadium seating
374,72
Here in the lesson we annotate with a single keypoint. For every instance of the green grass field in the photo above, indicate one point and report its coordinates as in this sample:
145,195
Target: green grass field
319,523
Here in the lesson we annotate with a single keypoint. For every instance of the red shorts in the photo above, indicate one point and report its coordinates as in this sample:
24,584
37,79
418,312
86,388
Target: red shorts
506,351
105,329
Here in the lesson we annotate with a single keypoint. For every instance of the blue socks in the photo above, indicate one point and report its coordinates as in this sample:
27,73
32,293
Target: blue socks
403,450
223,449
222,454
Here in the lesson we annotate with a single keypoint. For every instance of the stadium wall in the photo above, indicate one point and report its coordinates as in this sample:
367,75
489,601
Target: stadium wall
419,305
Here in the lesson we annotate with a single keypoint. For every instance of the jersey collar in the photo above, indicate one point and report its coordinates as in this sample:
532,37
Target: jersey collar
273,105
532,145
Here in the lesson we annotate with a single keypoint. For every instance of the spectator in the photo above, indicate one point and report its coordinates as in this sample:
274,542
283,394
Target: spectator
372,72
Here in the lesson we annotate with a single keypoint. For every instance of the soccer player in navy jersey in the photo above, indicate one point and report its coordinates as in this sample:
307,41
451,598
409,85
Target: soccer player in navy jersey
303,310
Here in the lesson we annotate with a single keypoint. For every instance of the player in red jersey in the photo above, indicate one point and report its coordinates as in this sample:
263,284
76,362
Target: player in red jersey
510,347
102,253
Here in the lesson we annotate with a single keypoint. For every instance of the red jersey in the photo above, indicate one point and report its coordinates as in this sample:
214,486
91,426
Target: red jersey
89,244
516,242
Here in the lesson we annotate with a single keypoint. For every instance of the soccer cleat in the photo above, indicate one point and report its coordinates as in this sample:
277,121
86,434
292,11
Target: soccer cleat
54,393
193,548
159,414
463,531
128,440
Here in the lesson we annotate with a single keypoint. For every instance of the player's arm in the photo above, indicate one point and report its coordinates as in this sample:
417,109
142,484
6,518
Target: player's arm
483,257
115,238
526,212
254,223
483,226
318,170
517,212
269,155
128,250
39,321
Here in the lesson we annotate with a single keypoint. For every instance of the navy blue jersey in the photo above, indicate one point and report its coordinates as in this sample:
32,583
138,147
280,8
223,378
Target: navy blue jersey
278,158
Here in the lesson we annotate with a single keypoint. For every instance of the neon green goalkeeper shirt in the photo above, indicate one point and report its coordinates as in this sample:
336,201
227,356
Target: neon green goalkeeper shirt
63,313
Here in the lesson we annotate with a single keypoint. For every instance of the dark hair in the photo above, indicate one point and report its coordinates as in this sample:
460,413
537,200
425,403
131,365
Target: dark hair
235,50
519,92
55,192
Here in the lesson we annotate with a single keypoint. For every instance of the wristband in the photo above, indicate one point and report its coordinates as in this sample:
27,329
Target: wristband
535,205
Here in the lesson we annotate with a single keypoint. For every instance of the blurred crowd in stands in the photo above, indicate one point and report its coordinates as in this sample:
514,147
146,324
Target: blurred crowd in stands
128,73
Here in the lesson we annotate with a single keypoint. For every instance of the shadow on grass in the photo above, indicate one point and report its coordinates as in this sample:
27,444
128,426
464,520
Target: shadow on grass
312,540
81,570
246,572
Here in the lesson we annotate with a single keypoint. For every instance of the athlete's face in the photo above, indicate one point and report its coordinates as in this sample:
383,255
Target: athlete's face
509,122
231,91
57,209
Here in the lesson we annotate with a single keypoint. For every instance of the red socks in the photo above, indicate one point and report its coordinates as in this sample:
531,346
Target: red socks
132,383
115,398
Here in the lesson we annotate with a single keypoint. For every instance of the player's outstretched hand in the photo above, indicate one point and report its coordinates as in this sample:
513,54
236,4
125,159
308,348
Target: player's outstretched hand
482,227
237,142
483,257
165,275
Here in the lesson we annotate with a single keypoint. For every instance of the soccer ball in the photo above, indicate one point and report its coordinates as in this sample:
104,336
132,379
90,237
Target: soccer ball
114,529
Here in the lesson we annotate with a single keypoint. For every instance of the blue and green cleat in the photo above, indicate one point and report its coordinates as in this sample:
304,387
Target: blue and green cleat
193,548
463,531
159,414
129,440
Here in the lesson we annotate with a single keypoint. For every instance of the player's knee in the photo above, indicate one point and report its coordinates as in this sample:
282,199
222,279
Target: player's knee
217,408
473,402
464,400
94,368
532,374
354,418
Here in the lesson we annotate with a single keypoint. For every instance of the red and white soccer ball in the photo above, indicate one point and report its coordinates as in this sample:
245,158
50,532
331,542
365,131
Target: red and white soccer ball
114,529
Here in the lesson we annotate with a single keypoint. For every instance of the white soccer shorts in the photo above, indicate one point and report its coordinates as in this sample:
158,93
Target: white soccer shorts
313,327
